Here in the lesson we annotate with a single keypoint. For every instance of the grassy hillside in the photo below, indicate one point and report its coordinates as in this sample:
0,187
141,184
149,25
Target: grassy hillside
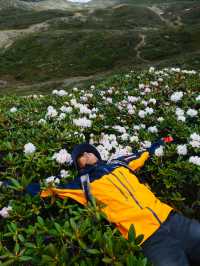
85,42
59,53
19,19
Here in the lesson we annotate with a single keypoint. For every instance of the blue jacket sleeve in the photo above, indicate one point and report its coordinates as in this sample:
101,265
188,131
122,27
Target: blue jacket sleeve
137,159
155,146
33,189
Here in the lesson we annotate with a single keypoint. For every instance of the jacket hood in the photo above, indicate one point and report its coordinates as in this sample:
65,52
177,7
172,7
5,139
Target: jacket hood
81,148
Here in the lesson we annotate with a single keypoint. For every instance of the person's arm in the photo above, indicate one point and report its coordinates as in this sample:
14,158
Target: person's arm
137,160
71,190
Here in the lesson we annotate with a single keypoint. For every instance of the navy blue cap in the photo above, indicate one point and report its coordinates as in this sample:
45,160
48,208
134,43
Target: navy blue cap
81,148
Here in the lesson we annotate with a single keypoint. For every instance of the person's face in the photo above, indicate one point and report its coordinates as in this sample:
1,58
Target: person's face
87,158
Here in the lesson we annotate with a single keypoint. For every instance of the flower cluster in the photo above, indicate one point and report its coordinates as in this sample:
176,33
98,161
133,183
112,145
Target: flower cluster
62,156
5,211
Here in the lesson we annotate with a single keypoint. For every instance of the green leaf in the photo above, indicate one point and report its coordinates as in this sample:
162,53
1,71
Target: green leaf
17,248
13,227
107,260
131,234
25,258
21,238
139,239
40,220
58,227
93,251
9,262
73,224
16,184
131,260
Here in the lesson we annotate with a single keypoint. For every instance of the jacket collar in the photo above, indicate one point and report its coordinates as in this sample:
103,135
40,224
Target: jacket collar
89,168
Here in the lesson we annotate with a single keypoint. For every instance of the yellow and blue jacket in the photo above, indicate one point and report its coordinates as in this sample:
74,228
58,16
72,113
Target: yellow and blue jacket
124,198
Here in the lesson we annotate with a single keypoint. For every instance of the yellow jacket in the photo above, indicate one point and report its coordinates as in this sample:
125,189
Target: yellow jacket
126,201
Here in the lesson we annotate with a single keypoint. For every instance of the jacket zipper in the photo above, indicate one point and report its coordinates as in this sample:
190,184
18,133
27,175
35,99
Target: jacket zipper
137,202
154,214
130,193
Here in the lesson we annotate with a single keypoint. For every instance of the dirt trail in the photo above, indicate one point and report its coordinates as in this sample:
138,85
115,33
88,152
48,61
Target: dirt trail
139,46
8,37
47,86
159,12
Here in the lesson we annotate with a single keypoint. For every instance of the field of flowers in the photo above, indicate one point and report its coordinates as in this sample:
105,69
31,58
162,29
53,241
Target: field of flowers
124,113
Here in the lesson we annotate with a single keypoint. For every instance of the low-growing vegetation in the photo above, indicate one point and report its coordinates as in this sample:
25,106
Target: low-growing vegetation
122,114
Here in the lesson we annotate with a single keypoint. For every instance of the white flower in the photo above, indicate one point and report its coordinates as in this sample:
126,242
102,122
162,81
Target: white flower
60,92
192,112
154,83
120,129
61,116
4,212
134,139
176,96
146,144
153,129
109,100
149,110
66,109
195,160
141,86
142,114
42,121
181,118
51,112
52,180
151,69
195,143
57,181
82,122
13,109
73,102
54,91
124,136
176,70
179,112
152,100
49,179
62,156
29,148
160,119
195,136
182,149
91,116
64,173
133,99
103,151
147,90
145,103
195,140
84,109
198,98
1,183
142,126
159,151
136,127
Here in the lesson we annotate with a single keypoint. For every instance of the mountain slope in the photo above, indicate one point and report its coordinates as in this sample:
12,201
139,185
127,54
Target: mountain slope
84,40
